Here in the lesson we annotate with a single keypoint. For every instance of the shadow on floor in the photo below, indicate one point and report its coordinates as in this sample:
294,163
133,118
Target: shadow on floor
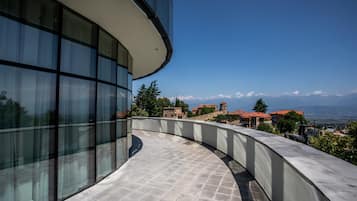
248,186
136,146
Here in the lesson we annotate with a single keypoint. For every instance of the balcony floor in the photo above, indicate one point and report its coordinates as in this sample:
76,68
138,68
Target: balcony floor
171,168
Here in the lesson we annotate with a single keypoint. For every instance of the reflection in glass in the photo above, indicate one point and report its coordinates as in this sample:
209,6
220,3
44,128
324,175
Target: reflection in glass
122,55
26,44
108,45
122,151
26,134
105,136
10,7
78,28
107,69
122,98
41,12
76,135
130,81
78,59
163,9
122,77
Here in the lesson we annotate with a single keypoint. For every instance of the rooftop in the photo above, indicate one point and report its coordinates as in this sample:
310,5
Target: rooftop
244,114
284,112
173,168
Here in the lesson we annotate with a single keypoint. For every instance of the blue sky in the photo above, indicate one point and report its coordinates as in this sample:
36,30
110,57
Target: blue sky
240,48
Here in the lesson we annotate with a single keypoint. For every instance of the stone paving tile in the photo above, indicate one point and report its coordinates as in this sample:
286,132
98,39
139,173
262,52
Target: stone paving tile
171,168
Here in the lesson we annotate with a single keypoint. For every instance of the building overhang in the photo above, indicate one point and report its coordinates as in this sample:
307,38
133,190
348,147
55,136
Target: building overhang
135,26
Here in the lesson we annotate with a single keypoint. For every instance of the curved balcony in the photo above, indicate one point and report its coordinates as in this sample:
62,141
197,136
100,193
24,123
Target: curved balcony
143,27
285,170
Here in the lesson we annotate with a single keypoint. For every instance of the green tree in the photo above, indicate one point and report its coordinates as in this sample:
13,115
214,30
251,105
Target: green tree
137,111
265,127
182,104
224,117
162,103
146,99
12,114
206,110
288,122
352,130
260,106
339,146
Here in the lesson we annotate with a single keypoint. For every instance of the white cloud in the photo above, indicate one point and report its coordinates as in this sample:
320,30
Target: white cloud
317,92
296,92
259,94
239,94
224,96
184,98
251,93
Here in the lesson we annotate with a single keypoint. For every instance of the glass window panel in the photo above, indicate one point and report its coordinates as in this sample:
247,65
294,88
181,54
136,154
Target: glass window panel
105,159
105,129
122,151
122,77
76,137
78,59
122,98
107,69
106,102
26,44
27,104
122,55
79,29
130,81
108,45
10,7
77,101
121,128
41,12
130,63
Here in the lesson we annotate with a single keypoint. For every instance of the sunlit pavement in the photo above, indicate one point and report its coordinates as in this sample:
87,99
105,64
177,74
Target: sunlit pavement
171,168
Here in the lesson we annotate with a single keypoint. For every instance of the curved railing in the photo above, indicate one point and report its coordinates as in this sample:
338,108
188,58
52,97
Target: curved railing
285,169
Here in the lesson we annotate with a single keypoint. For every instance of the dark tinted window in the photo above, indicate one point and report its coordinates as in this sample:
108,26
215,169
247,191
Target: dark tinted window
130,63
122,77
27,104
122,101
122,55
41,12
105,136
107,69
77,101
10,7
106,102
26,44
76,135
79,29
130,81
108,46
78,58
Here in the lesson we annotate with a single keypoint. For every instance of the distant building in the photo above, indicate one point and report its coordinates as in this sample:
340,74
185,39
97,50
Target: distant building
251,119
198,109
223,107
277,115
173,112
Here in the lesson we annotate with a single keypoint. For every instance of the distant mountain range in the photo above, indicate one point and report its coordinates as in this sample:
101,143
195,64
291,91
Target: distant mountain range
316,107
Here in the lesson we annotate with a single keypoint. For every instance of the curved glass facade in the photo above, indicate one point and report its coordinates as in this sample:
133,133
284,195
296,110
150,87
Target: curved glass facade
163,10
65,92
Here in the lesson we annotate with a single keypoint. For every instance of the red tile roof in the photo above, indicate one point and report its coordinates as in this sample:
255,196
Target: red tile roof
284,112
247,115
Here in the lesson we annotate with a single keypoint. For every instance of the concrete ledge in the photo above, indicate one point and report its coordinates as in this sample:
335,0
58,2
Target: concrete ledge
285,169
